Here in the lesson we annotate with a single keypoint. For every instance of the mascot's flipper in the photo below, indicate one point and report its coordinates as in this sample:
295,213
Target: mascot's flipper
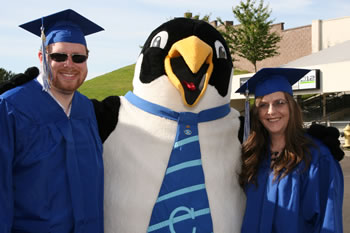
19,79
107,115
241,128
330,137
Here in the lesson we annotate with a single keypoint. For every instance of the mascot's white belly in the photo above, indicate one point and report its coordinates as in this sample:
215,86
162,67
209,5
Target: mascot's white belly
136,156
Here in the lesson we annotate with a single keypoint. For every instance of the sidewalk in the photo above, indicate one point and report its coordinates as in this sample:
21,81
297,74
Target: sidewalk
345,164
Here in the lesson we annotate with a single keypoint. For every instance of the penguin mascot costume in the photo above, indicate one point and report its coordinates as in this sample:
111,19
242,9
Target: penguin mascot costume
183,72
171,147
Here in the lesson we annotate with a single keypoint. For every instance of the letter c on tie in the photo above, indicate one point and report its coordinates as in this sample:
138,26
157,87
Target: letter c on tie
174,212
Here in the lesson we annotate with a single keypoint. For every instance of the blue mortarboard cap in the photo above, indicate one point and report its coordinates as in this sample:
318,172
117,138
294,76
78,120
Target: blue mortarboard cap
270,80
64,26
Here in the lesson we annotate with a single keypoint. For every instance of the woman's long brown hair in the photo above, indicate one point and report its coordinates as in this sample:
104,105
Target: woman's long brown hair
255,148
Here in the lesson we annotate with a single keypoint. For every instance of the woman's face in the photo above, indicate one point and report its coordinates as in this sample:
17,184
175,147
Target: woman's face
274,112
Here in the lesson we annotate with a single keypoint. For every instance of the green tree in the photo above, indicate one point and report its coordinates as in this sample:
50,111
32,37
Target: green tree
5,75
252,38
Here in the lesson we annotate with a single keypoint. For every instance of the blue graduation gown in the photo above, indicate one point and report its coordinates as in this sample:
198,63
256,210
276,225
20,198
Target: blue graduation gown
304,201
51,169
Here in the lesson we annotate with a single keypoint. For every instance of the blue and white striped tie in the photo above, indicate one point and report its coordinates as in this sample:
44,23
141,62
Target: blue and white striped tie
182,205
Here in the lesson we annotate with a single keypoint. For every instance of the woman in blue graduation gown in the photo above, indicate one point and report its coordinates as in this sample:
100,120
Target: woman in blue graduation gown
292,182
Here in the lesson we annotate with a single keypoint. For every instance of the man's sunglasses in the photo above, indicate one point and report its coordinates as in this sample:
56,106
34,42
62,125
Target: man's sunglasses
61,57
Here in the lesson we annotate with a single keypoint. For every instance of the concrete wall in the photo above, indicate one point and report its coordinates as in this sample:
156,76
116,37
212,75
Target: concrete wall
327,33
335,77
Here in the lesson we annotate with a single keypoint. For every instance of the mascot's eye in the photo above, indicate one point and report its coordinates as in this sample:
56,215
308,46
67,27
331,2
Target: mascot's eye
160,40
220,50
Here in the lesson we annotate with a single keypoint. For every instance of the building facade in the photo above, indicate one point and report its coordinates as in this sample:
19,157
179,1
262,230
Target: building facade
295,43
323,46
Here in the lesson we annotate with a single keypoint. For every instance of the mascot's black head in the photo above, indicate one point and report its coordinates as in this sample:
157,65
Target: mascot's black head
192,54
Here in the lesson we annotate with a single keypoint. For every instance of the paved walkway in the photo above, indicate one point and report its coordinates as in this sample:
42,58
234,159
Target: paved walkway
345,163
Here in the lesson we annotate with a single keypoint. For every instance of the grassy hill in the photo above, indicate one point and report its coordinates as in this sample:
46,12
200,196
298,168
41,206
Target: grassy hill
117,82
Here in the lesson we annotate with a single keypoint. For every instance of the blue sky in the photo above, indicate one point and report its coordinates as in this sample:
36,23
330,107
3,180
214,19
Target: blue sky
127,25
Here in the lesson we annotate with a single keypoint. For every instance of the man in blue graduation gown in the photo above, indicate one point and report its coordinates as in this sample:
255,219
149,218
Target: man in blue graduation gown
51,169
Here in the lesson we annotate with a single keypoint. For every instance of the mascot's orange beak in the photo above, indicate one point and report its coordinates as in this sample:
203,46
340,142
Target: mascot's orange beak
188,66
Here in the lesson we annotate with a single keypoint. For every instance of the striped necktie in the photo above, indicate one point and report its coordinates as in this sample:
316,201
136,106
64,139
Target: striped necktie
182,205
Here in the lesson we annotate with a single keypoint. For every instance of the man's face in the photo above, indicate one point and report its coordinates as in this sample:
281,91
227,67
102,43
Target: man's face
67,75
